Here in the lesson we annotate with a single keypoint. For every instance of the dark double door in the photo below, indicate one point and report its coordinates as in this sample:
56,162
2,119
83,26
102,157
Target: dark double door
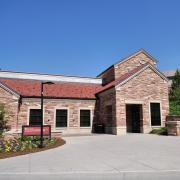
133,118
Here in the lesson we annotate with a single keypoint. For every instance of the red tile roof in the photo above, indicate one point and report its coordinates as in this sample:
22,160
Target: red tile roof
31,88
121,78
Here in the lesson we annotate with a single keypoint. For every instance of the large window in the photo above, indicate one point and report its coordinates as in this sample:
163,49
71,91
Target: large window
61,117
85,118
155,114
35,117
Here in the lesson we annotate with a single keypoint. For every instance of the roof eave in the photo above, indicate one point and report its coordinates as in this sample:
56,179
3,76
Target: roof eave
54,97
11,91
141,70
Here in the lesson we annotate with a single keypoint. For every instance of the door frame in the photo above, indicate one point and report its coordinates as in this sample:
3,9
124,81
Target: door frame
140,117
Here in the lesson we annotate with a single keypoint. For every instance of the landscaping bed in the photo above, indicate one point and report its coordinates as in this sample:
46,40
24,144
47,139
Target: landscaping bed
18,146
160,131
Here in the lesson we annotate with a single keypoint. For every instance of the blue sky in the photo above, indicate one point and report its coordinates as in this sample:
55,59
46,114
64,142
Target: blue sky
83,37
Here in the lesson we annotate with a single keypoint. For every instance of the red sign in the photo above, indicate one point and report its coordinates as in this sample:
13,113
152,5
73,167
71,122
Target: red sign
36,130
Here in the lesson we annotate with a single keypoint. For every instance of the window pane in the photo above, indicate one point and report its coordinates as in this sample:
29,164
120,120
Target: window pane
85,118
61,118
155,114
35,117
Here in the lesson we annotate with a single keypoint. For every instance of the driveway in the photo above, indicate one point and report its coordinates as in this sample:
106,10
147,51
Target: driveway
100,157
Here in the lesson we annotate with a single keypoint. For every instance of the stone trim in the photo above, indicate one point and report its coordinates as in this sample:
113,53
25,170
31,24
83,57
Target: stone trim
35,107
141,70
68,115
155,101
91,118
134,102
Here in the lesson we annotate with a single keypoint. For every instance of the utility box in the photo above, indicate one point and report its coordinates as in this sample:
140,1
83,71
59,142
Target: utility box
173,125
99,128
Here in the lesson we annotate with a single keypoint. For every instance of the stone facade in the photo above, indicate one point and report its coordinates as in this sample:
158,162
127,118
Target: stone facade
10,103
126,66
145,88
109,107
131,63
50,106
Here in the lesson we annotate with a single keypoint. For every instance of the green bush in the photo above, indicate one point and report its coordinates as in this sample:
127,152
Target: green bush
160,131
174,108
3,122
1,133
175,95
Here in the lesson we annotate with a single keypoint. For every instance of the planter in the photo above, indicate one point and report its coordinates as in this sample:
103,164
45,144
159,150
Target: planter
173,125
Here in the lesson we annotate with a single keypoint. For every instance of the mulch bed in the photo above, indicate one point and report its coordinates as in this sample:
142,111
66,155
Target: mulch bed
59,142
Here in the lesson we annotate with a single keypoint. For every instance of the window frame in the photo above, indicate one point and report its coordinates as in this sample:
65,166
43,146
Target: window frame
155,101
28,115
61,108
91,117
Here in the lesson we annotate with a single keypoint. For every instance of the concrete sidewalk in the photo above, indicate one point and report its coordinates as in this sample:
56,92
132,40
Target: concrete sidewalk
100,157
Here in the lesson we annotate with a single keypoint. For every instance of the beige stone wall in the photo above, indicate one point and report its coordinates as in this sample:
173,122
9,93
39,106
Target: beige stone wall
145,88
11,107
50,107
133,62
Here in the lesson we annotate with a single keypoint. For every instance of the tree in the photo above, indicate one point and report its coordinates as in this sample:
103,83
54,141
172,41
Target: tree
176,80
175,95
2,117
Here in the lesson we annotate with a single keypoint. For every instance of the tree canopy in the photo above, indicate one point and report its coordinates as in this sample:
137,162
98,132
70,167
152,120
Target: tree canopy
175,94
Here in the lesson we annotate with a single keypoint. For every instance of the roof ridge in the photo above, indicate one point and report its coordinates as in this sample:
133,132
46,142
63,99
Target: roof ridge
130,74
48,74
128,57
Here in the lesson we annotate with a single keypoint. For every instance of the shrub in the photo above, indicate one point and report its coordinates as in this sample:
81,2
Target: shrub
175,95
3,121
28,143
160,131
1,133
174,108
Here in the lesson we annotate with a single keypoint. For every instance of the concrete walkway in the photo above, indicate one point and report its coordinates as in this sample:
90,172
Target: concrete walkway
100,157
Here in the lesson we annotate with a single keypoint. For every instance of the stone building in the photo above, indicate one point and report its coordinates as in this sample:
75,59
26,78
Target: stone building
170,75
129,96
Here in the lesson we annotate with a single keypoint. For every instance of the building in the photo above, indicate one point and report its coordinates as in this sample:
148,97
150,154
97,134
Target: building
170,75
129,96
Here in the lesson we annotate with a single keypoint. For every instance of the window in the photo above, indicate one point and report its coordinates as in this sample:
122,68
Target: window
35,117
155,114
61,118
85,118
